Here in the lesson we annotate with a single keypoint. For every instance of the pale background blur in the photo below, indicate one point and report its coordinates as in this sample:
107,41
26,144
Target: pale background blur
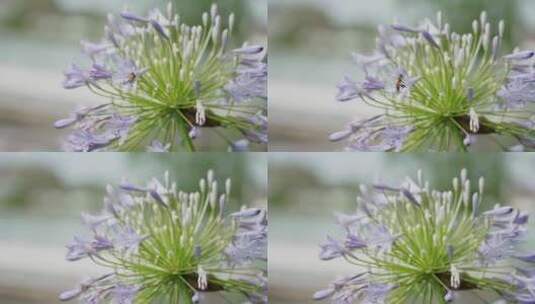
40,38
311,42
306,189
43,194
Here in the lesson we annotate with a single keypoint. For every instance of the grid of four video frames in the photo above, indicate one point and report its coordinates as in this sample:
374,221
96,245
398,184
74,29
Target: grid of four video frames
267,151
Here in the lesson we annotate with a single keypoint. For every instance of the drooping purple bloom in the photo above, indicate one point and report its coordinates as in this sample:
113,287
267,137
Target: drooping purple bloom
379,238
377,293
347,90
99,72
159,29
499,211
133,17
75,77
251,212
430,39
404,28
127,74
127,240
494,249
524,55
125,294
529,258
250,81
118,126
354,242
80,248
249,50
125,185
86,141
331,249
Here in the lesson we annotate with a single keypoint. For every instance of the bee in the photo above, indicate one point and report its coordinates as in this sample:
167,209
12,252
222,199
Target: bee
399,83
131,77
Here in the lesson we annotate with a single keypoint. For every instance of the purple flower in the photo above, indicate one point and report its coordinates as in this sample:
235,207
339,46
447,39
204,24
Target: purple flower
250,81
80,248
347,90
118,126
75,77
379,238
133,17
78,116
127,240
131,187
495,248
331,249
430,39
372,84
249,50
450,296
125,294
529,258
159,29
524,55
377,293
86,141
99,72
499,211
354,242
251,212
127,74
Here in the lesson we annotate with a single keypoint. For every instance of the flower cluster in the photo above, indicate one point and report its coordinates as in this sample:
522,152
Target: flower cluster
411,244
167,82
440,90
162,244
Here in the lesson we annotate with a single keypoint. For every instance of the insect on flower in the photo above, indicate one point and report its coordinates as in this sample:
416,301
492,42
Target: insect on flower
439,90
411,244
163,245
167,81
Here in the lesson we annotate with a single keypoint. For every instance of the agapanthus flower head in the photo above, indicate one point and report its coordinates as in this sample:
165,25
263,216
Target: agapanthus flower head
163,244
412,244
438,90
169,80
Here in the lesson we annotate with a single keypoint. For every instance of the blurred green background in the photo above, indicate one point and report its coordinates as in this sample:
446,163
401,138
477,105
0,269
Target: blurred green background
311,42
43,194
306,189
39,40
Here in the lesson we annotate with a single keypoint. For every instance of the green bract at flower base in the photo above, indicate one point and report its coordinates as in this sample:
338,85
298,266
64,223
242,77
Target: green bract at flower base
168,82
163,245
441,90
412,244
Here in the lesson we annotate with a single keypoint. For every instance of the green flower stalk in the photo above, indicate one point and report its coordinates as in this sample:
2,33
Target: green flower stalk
164,245
412,244
439,90
167,83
